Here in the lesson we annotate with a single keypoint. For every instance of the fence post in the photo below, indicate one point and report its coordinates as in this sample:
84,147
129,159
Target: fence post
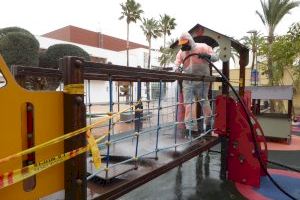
158,119
138,124
137,119
176,114
110,125
74,118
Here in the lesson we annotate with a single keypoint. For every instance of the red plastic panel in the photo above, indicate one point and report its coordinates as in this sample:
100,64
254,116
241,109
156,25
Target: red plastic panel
220,119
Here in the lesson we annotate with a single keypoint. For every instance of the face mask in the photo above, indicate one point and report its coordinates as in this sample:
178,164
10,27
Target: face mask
186,48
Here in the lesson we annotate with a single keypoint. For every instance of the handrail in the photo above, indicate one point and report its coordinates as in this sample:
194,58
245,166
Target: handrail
145,75
100,71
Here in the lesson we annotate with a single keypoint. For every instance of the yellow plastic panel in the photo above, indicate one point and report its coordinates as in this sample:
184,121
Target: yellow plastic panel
48,124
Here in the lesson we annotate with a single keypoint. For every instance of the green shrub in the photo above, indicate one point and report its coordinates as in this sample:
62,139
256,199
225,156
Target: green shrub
55,52
19,48
5,31
43,61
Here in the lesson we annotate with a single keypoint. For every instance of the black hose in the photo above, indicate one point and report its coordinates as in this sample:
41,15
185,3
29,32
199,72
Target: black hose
284,166
248,120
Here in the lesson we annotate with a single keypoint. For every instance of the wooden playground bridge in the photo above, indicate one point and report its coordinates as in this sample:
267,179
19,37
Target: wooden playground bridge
30,155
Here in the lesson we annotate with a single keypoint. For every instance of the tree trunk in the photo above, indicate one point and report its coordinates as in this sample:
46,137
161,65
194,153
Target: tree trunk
149,54
149,62
127,45
270,72
164,65
253,59
270,62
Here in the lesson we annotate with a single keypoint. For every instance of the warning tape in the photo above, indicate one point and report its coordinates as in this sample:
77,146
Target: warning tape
15,176
12,177
64,137
74,89
94,149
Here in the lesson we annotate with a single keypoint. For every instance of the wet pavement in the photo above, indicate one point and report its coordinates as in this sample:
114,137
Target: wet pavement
195,179
199,179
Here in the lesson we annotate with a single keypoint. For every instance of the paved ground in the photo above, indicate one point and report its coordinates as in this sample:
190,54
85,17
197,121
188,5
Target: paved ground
199,179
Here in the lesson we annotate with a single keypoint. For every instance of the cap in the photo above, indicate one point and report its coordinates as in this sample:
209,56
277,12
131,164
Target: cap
183,41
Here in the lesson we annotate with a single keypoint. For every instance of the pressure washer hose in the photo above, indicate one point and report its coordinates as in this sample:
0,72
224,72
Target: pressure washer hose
207,59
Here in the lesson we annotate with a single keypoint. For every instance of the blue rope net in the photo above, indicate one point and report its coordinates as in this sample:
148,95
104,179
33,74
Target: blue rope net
152,127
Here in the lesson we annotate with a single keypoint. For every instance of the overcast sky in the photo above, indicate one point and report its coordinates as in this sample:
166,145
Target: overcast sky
230,17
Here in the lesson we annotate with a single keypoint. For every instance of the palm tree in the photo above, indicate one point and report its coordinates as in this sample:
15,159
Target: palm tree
166,24
168,55
132,11
273,13
151,30
253,42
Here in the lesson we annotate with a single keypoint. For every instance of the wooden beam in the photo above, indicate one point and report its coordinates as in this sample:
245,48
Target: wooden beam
74,118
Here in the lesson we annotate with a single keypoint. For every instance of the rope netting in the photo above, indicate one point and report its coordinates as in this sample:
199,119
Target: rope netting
156,124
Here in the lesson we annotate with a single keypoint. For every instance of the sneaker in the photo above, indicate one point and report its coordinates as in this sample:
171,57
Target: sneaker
208,126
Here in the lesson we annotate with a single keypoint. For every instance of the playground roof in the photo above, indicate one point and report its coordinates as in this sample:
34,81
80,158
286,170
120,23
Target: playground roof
272,92
197,33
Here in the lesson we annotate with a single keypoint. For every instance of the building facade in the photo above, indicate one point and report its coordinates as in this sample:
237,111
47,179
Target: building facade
104,49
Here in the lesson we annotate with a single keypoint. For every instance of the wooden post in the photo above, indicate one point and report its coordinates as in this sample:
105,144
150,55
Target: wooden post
253,109
224,139
258,107
225,71
290,109
74,118
244,59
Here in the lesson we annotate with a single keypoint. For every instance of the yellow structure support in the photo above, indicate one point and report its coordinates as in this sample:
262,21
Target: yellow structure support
48,124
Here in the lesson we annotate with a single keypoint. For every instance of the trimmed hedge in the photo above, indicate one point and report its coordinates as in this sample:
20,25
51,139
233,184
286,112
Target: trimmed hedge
55,52
5,31
19,48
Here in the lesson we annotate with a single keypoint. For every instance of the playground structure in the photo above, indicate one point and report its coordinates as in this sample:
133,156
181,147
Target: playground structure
129,159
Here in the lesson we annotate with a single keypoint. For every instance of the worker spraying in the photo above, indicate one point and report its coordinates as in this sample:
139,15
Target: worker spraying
194,90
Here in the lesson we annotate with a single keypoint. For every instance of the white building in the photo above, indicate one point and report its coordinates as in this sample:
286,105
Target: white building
99,89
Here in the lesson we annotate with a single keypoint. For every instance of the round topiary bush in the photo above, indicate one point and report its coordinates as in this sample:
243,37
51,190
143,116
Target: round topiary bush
55,52
7,30
43,61
19,47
